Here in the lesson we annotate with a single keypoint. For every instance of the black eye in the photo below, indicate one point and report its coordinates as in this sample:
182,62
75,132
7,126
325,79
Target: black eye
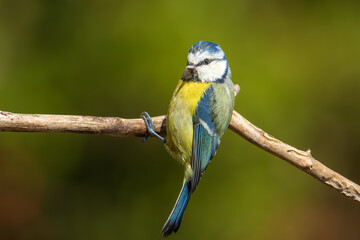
206,61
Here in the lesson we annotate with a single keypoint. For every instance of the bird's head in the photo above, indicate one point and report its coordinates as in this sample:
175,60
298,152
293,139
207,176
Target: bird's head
206,62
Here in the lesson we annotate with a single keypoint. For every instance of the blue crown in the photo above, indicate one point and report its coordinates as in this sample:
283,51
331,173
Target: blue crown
202,46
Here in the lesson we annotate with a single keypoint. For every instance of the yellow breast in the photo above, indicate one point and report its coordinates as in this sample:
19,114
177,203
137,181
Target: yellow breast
179,122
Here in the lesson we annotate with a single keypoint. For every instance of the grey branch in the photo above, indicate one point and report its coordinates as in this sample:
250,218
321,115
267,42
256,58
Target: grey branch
121,127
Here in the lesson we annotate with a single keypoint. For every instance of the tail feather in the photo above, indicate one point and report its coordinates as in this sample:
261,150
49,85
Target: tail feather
173,222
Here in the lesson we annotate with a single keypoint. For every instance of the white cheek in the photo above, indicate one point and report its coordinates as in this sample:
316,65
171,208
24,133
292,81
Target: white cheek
212,72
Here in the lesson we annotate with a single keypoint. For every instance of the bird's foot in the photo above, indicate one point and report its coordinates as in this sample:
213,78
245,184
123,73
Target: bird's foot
150,127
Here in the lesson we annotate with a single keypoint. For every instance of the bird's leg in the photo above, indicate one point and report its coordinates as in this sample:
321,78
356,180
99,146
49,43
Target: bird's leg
150,127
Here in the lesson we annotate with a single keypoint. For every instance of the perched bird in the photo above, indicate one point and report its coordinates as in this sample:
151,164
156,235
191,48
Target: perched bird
199,113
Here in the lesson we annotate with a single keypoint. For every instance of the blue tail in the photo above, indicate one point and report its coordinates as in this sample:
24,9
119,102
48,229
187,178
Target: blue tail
174,220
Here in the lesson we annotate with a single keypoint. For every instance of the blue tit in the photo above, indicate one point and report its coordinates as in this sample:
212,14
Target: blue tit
199,113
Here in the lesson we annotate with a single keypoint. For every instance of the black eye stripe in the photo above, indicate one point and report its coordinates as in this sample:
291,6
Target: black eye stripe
208,61
203,61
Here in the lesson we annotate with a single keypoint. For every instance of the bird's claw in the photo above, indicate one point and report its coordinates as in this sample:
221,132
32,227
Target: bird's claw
148,123
150,127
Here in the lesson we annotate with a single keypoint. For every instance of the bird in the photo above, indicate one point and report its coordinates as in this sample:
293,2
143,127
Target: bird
199,112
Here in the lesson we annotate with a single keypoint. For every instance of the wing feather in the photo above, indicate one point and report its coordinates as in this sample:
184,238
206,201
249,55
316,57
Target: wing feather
205,137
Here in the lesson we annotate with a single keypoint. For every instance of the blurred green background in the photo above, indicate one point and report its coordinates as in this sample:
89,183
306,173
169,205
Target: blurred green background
298,65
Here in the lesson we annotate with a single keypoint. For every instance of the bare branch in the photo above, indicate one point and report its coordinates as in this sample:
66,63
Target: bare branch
112,126
120,127
300,159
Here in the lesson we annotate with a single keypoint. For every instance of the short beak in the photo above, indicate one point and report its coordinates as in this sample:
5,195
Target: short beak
189,72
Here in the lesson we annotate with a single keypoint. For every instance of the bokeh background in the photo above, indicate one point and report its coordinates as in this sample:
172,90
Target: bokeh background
298,65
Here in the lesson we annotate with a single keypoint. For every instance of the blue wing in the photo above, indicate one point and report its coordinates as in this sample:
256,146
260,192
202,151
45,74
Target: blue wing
205,138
